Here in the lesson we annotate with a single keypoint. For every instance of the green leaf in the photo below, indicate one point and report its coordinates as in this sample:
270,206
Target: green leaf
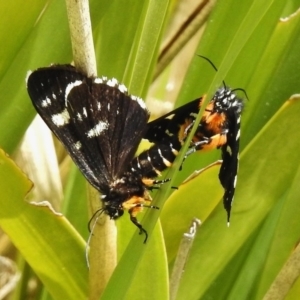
137,75
40,44
254,50
188,202
255,197
268,164
74,205
65,275
277,63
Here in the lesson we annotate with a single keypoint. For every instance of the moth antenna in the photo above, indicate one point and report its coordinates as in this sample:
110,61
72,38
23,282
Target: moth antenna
98,211
242,90
215,68
95,216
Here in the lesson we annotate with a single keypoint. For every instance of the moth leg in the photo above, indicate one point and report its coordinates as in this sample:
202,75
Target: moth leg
153,184
137,224
156,182
133,212
159,182
135,205
197,146
214,142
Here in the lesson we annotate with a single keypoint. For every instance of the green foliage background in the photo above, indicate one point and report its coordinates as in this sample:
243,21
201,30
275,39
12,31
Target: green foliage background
253,49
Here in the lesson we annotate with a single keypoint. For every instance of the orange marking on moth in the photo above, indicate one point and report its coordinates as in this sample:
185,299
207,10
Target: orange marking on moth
135,205
148,181
182,133
213,121
216,142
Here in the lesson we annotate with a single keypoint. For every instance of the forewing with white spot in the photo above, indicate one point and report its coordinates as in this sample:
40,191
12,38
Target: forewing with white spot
230,157
100,125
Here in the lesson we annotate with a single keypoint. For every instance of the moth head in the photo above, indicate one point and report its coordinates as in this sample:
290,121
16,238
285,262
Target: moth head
113,212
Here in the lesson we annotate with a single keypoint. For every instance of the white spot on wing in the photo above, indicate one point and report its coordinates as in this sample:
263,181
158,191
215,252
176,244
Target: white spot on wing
228,150
61,119
84,111
78,145
79,118
69,87
122,88
46,102
112,82
97,130
139,101
235,179
99,80
238,135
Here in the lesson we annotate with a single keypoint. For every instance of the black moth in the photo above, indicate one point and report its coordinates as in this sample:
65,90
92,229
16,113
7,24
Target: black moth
219,128
101,126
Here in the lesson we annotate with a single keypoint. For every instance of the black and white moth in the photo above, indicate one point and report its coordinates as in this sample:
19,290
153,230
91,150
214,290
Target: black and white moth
101,126
219,128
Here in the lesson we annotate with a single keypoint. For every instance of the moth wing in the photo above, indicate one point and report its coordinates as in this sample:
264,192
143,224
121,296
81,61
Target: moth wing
230,157
114,124
169,124
76,109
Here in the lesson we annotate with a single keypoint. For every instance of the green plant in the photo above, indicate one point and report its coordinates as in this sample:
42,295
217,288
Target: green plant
253,49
